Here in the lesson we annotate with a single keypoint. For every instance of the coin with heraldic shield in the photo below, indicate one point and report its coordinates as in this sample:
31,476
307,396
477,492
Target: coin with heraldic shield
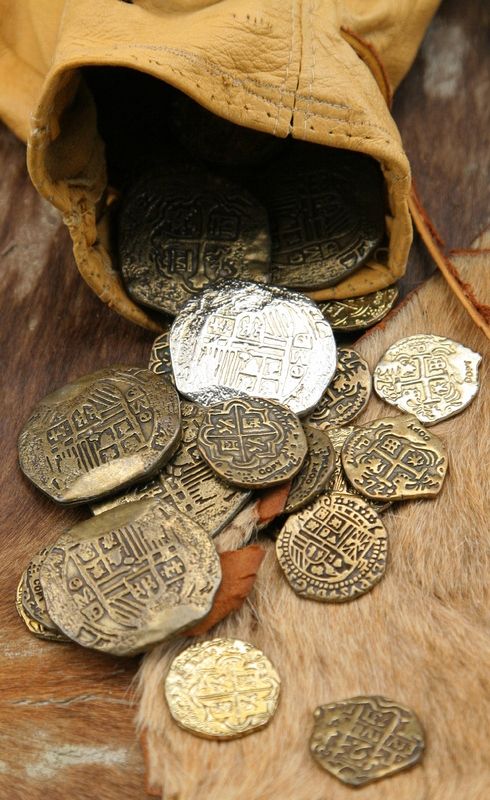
333,550
252,442
222,689
395,458
357,313
188,482
131,577
429,376
33,597
100,433
338,482
366,738
259,340
181,231
348,393
48,633
316,471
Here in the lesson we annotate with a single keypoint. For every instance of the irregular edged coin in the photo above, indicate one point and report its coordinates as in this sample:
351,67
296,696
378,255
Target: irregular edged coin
338,482
333,550
222,689
48,633
188,482
316,471
182,230
33,597
261,340
395,458
429,376
252,442
131,577
357,313
363,739
160,359
100,433
348,393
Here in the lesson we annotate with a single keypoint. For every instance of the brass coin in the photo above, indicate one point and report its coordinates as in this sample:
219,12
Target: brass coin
160,358
179,232
316,471
428,376
188,482
334,550
357,313
49,634
326,211
100,433
222,689
395,458
348,393
338,482
363,739
130,578
252,442
32,594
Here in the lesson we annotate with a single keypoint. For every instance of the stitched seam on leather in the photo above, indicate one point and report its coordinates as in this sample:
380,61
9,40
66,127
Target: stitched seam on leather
288,66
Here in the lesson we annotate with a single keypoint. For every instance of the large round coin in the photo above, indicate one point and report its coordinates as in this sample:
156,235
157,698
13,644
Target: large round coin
261,340
131,577
363,739
394,459
222,689
348,393
180,232
429,376
100,433
357,313
316,471
251,442
334,550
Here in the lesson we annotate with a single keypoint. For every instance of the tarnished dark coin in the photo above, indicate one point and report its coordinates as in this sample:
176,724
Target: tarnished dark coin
394,458
48,633
179,232
316,471
363,739
339,483
160,358
131,577
188,482
333,550
357,313
100,433
347,394
326,211
252,442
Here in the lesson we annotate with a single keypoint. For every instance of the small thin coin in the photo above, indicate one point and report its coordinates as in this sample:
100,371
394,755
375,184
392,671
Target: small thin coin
348,393
366,738
130,578
357,313
49,634
188,482
251,442
160,359
100,433
334,550
253,339
395,458
32,594
222,689
316,471
429,376
338,482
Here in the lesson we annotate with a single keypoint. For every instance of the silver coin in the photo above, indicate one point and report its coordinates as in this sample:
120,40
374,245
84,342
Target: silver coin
260,340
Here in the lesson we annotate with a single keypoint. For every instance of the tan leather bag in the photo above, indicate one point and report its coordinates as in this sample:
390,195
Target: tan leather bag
319,70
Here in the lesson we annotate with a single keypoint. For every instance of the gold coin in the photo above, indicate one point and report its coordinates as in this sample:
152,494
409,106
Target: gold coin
356,313
252,442
334,550
160,358
338,482
366,738
100,433
32,594
316,471
222,689
188,482
49,634
348,393
428,376
394,458
130,578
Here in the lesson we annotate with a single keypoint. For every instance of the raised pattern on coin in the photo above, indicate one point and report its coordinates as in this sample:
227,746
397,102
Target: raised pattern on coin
357,313
316,471
49,634
338,482
260,340
333,550
160,358
394,458
100,433
347,394
222,689
32,593
429,376
131,577
366,738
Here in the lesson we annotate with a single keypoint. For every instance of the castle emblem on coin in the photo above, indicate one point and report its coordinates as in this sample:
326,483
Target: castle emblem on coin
366,738
348,393
222,688
333,550
356,313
